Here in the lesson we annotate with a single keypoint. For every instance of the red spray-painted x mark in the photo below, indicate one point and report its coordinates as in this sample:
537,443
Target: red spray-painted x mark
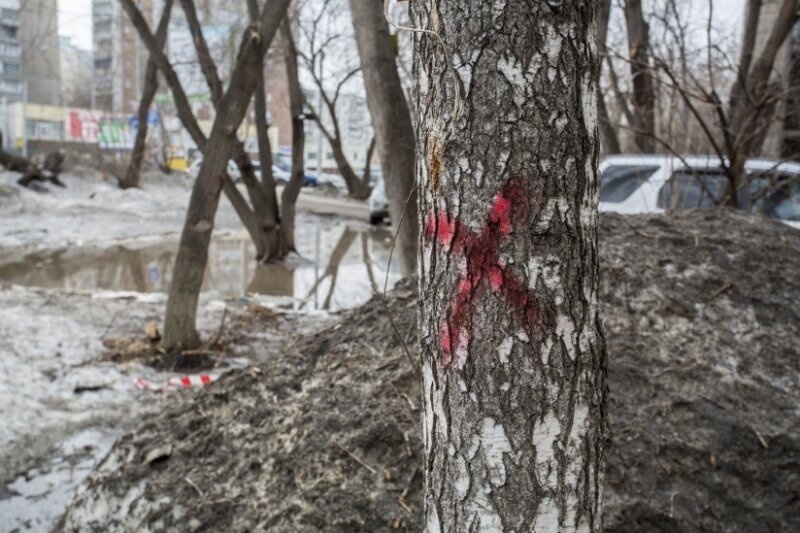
483,270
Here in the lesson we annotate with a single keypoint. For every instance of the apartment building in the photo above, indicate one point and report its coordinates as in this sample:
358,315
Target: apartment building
76,75
120,57
38,35
11,77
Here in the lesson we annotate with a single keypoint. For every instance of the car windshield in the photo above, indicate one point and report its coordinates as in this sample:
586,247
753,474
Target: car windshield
692,188
776,195
618,182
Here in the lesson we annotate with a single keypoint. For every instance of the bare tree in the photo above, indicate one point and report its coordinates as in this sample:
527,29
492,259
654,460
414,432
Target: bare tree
736,130
390,120
265,206
512,345
184,109
179,326
322,40
134,171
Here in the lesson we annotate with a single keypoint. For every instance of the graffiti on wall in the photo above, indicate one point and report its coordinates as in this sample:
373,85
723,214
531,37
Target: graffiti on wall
110,131
82,125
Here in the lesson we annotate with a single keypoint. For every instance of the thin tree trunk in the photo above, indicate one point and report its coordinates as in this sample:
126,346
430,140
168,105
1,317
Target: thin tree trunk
514,357
164,141
644,98
391,122
607,132
134,171
292,189
275,250
179,325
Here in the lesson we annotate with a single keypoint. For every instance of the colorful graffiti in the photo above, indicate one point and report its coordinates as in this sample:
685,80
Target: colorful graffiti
116,133
484,269
110,131
83,125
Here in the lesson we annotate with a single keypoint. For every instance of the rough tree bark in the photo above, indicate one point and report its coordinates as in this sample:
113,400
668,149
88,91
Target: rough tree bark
292,189
608,133
391,122
134,171
179,325
514,357
644,96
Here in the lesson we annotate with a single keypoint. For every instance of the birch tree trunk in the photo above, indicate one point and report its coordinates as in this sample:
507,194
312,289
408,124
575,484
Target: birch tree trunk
391,121
514,357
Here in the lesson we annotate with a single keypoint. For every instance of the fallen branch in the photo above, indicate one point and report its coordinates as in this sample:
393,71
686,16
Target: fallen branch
31,171
355,458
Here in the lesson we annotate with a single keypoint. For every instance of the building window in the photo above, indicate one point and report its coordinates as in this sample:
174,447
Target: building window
10,68
9,49
102,27
9,14
103,9
44,129
102,84
102,64
104,47
11,86
8,31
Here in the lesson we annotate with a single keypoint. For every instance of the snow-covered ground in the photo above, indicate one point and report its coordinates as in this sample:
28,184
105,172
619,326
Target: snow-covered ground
90,210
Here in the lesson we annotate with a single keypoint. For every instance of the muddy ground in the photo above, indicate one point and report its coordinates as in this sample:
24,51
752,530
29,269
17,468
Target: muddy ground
85,268
702,320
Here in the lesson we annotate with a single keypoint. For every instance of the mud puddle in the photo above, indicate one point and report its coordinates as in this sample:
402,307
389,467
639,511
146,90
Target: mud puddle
336,265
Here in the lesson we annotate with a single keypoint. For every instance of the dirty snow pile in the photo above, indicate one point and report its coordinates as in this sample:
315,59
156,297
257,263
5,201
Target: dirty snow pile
702,320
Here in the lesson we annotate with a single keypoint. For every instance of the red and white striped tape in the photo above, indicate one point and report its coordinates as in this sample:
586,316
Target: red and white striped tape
183,381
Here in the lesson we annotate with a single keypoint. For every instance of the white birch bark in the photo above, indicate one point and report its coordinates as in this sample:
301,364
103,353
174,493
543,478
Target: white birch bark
514,358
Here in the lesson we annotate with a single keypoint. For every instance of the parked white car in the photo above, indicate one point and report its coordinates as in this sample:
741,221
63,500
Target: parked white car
633,184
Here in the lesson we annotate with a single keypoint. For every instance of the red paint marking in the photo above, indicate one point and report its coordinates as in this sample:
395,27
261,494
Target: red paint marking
186,381
484,267
205,379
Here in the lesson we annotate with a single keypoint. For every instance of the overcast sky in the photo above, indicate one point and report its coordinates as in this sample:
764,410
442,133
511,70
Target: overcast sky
75,17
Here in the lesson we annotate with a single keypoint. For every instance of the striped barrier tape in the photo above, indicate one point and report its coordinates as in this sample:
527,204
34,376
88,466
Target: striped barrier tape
183,381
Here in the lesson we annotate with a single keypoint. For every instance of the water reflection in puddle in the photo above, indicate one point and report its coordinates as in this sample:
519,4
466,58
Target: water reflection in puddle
338,264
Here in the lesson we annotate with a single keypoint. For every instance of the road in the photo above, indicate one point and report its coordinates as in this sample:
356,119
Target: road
325,205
